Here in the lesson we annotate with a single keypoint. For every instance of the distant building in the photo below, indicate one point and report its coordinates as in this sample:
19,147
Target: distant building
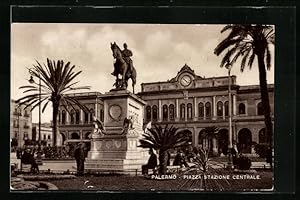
75,124
191,102
46,133
20,123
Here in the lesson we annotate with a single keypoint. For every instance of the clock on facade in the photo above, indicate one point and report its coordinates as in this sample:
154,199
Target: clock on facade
185,80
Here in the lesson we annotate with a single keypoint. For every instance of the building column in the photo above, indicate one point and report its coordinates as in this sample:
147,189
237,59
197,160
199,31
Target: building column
214,115
159,110
224,110
214,146
177,110
67,135
234,138
81,117
80,135
67,116
96,109
185,112
204,111
234,105
195,109
195,137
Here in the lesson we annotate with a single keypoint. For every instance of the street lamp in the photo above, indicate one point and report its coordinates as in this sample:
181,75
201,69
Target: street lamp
228,66
19,133
31,80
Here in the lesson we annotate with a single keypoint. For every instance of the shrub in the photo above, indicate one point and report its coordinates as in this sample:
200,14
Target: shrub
261,150
243,163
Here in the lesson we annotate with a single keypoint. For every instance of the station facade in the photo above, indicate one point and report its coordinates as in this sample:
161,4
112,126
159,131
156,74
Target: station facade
193,103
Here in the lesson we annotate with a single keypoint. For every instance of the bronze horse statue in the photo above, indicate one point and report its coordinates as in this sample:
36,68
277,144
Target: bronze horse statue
122,68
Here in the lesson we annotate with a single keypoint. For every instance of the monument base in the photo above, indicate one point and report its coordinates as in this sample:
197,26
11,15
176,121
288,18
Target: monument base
115,149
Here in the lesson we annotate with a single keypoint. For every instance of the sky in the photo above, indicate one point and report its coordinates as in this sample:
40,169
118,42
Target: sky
159,52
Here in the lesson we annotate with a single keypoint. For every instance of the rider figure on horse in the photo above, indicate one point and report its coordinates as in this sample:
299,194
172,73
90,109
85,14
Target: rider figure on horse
126,54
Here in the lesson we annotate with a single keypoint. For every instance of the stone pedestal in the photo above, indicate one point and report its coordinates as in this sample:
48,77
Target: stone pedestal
116,148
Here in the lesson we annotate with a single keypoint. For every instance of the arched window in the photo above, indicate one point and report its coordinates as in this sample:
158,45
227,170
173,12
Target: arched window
260,109
226,108
242,109
75,136
165,112
171,112
92,113
219,109
182,111
189,111
262,136
154,113
101,115
201,110
72,116
63,117
148,113
77,116
86,117
207,109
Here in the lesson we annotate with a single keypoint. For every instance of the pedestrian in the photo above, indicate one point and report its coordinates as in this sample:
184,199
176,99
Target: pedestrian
79,155
234,157
180,160
152,162
34,166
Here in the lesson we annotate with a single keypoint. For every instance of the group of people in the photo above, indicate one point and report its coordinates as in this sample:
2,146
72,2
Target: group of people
27,157
179,160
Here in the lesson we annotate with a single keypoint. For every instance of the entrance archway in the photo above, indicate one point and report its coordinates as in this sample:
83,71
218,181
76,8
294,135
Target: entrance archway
188,146
201,140
244,140
223,141
190,136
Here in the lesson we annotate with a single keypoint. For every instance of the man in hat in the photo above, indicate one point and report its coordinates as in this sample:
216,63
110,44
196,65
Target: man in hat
152,162
79,155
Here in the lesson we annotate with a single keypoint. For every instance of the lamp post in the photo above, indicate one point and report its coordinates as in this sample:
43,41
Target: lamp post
230,164
19,133
31,80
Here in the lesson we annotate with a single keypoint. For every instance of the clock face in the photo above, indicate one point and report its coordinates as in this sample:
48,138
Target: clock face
185,80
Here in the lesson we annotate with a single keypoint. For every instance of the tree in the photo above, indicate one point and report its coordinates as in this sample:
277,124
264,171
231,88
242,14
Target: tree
163,139
250,42
57,80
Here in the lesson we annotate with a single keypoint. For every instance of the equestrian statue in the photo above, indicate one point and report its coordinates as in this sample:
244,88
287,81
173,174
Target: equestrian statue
123,66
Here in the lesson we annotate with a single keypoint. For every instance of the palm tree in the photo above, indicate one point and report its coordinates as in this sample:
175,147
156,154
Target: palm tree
250,42
57,79
163,139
